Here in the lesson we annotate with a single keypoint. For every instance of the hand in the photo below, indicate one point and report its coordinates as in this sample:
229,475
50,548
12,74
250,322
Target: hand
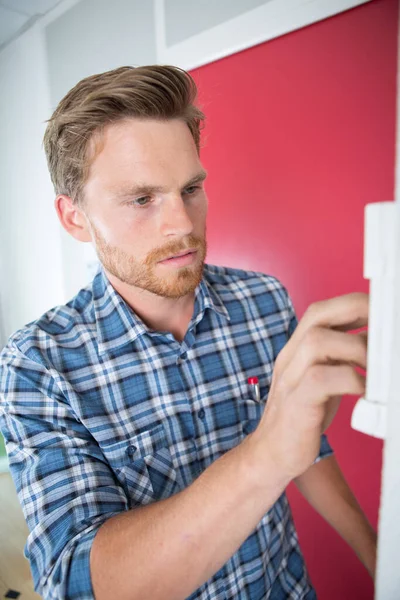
311,371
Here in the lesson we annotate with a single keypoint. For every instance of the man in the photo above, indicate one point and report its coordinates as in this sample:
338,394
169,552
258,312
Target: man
145,467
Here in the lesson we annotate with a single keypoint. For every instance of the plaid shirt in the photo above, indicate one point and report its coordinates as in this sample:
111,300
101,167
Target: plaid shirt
101,414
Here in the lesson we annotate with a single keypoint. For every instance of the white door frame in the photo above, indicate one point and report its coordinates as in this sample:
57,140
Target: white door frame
388,572
260,24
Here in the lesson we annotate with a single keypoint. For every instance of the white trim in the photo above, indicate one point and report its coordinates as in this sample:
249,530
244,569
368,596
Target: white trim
159,25
56,12
4,464
387,580
255,26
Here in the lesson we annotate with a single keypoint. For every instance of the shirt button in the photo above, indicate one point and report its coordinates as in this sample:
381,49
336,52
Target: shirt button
201,413
248,427
183,356
131,451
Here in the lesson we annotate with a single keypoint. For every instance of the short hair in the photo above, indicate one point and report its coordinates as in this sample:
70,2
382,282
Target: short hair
160,92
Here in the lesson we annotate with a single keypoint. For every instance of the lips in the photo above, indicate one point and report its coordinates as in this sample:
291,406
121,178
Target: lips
183,253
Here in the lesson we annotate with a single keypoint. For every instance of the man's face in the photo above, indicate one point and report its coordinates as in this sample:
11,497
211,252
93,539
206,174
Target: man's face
145,202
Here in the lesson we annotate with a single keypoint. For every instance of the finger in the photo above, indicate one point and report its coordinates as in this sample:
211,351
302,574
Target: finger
321,382
343,313
324,346
363,335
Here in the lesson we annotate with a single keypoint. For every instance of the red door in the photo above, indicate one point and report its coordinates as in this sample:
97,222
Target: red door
300,135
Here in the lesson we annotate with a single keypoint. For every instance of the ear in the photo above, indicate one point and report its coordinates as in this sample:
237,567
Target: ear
72,218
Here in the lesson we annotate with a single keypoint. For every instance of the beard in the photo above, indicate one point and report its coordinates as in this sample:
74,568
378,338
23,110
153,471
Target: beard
176,283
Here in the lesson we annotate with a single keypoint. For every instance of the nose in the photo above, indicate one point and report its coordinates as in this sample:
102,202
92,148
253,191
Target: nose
175,219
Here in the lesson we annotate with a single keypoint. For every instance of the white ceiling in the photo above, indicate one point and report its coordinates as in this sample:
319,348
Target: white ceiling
17,15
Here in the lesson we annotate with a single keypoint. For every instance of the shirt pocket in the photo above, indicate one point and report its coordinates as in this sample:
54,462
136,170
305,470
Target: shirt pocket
250,409
250,412
144,466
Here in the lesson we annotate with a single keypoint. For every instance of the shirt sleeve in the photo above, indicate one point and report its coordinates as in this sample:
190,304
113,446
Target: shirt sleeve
325,448
65,486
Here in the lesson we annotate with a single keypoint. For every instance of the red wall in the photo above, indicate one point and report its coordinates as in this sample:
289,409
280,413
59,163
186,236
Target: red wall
300,135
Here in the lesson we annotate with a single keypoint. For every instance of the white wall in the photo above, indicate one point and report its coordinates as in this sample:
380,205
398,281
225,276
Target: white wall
31,277
94,36
40,265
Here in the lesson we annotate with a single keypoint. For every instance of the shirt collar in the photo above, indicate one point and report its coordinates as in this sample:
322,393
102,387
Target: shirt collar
117,324
207,297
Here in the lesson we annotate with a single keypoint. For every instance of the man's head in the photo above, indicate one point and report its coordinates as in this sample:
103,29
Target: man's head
123,154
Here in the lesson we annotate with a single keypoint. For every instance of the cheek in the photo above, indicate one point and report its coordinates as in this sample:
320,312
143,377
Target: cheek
199,212
135,236
120,229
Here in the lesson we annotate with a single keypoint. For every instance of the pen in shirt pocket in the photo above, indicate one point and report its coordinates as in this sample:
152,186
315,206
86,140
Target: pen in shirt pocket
254,387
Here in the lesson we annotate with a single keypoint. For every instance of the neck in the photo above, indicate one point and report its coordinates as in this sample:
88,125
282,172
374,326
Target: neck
157,312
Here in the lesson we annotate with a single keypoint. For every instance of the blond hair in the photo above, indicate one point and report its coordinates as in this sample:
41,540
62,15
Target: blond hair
149,92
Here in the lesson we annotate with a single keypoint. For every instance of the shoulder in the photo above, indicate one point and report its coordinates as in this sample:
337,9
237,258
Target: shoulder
240,283
61,325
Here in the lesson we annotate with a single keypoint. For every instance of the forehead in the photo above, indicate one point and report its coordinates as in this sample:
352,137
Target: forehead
143,148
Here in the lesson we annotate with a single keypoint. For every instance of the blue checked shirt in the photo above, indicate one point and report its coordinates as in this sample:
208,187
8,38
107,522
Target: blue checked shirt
101,414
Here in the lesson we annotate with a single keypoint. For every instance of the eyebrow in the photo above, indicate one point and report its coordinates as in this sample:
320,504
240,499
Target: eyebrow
144,189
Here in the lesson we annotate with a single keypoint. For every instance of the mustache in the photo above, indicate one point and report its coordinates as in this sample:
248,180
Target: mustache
158,254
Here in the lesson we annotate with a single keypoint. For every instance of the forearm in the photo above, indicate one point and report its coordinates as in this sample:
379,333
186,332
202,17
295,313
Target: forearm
170,548
326,489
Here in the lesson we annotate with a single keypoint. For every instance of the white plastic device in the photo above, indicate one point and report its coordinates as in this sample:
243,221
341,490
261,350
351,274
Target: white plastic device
370,413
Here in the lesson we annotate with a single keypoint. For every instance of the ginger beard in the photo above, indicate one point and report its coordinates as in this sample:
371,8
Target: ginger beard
175,283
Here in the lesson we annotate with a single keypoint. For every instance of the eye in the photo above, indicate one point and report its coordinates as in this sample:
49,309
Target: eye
191,189
143,201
